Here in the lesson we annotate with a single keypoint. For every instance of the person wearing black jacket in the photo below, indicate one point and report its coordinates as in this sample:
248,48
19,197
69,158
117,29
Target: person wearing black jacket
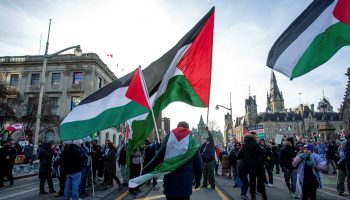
252,155
178,184
208,154
347,158
268,162
71,163
7,159
276,157
287,154
45,169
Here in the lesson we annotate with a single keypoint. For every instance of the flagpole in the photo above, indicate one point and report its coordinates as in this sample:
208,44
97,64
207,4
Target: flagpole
149,103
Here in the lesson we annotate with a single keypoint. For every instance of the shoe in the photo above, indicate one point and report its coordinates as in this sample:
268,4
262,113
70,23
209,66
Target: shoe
52,191
119,187
125,184
277,172
83,195
156,188
334,172
138,190
340,193
11,182
43,192
244,197
258,192
270,185
212,187
103,188
58,195
204,186
292,195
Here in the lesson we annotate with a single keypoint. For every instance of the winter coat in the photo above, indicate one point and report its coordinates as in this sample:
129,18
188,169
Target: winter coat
287,155
45,157
320,165
110,162
208,150
251,153
71,159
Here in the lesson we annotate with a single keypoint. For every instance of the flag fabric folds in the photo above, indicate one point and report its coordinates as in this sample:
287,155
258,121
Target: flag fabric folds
312,39
185,71
177,149
137,91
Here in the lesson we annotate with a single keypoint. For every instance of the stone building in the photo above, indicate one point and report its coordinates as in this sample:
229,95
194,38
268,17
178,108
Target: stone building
303,120
200,134
345,106
68,80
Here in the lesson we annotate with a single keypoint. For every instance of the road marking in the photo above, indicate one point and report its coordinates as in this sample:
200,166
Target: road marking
220,193
18,187
22,192
159,196
124,194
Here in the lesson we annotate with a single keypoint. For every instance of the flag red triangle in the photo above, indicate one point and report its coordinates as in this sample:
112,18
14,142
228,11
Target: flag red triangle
196,62
180,133
136,91
342,11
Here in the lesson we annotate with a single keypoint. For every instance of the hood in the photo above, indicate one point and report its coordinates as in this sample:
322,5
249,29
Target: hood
249,138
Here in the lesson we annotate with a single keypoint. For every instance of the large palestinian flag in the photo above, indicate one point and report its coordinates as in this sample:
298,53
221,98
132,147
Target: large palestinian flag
312,39
186,73
177,149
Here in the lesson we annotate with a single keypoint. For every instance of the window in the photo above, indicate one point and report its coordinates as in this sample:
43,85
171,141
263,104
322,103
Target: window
53,103
75,101
77,78
14,80
35,80
56,78
99,82
32,106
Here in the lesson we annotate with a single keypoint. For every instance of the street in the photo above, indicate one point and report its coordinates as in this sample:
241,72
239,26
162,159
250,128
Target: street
28,188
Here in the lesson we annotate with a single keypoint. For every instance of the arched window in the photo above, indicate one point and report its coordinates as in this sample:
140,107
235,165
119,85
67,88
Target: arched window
107,136
114,139
49,136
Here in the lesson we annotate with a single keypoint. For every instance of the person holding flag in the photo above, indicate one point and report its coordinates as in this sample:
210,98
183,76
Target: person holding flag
179,160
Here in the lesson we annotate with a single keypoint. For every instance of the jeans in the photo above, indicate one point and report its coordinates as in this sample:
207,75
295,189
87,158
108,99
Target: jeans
72,185
123,172
85,171
245,184
209,171
290,174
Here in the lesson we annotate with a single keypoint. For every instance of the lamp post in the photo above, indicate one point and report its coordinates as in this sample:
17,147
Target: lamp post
230,109
77,52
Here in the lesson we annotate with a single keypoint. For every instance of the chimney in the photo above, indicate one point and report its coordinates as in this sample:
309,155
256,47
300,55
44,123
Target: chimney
312,107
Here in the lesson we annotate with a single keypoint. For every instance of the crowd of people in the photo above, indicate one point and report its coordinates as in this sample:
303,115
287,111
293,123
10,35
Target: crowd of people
78,164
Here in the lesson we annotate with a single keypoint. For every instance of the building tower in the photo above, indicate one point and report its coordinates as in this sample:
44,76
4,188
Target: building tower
345,106
251,111
275,101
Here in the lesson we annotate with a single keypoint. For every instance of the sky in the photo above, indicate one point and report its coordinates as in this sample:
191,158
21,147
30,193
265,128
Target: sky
137,32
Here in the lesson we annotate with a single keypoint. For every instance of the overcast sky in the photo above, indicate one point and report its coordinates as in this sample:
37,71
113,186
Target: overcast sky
139,32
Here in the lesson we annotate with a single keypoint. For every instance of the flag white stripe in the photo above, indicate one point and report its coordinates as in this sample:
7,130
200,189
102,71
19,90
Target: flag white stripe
175,148
90,110
290,57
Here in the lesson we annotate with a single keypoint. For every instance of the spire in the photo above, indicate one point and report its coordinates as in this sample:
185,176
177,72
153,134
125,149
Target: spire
274,91
201,121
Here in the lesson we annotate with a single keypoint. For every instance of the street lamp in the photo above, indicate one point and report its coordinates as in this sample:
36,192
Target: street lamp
230,109
77,52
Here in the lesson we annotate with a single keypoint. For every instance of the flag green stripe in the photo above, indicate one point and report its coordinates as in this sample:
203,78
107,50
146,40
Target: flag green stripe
322,48
178,89
108,118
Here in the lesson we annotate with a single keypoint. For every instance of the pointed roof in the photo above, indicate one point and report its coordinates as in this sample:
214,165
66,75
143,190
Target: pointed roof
201,121
274,91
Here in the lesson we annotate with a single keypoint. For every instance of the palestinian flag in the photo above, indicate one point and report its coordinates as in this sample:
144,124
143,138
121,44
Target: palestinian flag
103,109
185,71
177,149
14,127
312,39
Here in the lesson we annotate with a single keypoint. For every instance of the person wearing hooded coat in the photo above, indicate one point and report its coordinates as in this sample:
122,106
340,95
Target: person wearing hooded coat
252,155
45,169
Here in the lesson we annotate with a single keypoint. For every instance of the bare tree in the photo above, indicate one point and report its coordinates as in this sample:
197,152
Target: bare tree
213,125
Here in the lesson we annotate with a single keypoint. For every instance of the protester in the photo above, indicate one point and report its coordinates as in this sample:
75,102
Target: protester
331,151
110,167
252,155
7,159
45,169
62,176
276,157
96,155
268,162
135,168
72,163
178,183
341,169
287,154
347,159
122,162
86,165
309,177
207,151
150,152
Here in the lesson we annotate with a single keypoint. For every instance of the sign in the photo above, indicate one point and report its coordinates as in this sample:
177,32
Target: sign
258,129
278,139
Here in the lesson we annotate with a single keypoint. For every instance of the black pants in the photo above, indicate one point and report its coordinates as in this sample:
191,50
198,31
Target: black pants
62,180
309,192
269,173
256,178
277,164
43,177
135,170
178,198
6,171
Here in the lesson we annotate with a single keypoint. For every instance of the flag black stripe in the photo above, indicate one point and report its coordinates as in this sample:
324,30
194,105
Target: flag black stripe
299,25
155,72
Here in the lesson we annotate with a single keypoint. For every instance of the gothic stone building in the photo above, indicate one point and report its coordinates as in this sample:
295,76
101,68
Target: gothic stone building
200,134
303,120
